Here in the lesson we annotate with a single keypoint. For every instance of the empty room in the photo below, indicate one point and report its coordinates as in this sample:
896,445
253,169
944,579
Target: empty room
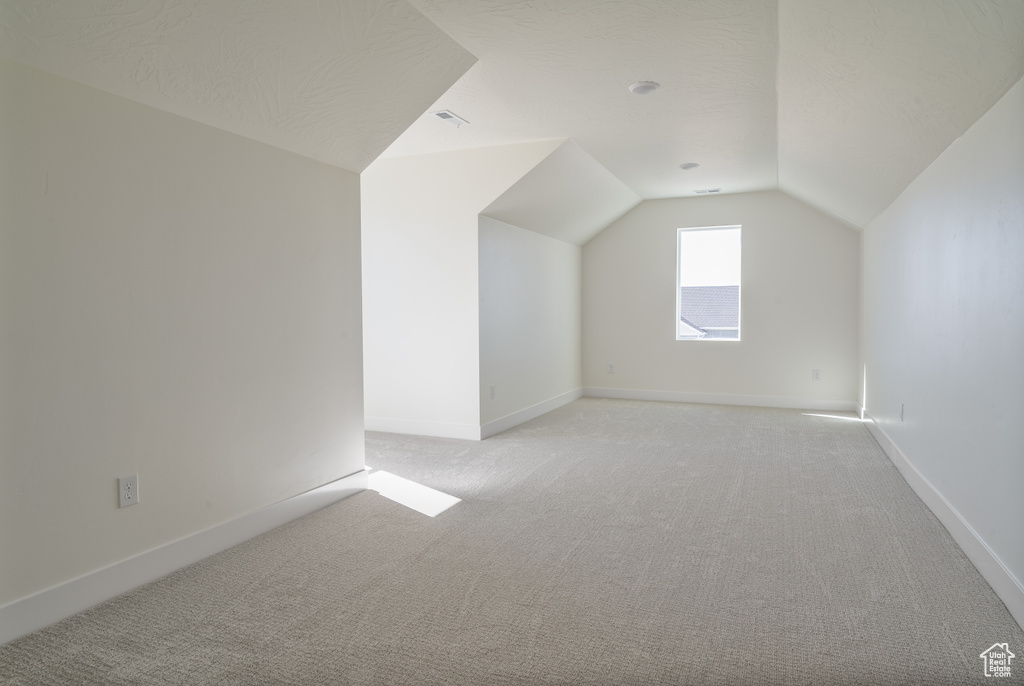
487,342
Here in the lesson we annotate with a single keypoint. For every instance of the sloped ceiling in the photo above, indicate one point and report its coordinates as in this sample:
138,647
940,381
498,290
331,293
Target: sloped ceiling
872,91
335,81
568,196
565,67
840,103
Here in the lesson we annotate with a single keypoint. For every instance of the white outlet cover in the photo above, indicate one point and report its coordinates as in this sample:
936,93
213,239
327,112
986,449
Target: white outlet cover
128,490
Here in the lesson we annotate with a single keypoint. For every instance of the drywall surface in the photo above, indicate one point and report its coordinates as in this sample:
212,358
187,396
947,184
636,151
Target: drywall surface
176,302
529,318
943,328
421,329
563,69
335,81
568,196
870,93
799,303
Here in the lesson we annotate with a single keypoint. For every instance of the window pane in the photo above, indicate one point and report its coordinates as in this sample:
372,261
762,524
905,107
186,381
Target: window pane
708,286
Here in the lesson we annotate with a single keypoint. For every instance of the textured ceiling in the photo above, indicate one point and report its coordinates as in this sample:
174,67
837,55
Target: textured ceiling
872,91
562,69
568,196
840,103
335,81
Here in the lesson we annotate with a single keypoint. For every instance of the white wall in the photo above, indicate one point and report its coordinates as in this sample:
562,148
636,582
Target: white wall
943,327
174,301
529,319
799,305
421,329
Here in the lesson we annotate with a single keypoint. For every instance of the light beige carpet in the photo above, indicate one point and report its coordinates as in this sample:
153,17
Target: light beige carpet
608,542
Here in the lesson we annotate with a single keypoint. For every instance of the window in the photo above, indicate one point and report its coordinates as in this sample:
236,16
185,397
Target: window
708,284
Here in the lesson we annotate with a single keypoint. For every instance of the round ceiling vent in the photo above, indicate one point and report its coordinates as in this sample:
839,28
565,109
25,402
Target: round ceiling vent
643,87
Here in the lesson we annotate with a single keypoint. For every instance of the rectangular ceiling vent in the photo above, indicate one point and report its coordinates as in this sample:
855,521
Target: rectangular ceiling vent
708,190
450,117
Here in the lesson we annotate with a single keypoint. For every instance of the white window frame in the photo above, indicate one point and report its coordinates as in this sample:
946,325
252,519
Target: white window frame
678,314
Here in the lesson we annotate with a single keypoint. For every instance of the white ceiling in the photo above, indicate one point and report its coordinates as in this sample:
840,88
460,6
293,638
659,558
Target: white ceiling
335,81
872,91
567,195
840,103
562,69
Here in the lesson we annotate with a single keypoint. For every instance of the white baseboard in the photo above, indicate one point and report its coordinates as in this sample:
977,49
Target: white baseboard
527,413
724,399
469,432
1003,582
54,604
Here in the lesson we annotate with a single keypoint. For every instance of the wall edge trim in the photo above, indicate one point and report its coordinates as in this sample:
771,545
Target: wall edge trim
516,418
787,402
51,605
420,427
1006,586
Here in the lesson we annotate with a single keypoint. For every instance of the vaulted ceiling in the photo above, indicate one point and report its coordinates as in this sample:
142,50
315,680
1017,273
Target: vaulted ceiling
840,103
335,81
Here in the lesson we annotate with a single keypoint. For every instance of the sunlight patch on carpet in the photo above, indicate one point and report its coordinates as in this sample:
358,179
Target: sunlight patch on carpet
416,496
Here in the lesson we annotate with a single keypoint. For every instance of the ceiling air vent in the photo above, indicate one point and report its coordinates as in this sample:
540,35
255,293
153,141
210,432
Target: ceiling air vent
450,117
708,190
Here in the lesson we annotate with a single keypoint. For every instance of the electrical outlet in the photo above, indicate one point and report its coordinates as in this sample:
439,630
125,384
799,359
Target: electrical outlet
492,392
816,375
128,490
611,368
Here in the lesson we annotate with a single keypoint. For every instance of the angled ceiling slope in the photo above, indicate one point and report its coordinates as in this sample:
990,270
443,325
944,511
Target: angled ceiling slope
840,103
871,92
334,81
568,196
562,70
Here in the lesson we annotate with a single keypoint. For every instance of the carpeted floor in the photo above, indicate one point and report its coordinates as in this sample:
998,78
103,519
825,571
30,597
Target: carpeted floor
607,542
